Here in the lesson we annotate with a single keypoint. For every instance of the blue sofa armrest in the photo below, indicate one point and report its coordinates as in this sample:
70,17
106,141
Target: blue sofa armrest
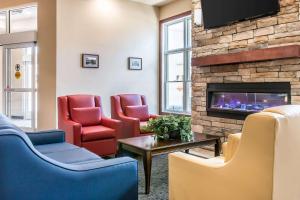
46,137
114,179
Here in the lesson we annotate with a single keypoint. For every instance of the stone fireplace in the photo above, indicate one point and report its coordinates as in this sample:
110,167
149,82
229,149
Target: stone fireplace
261,54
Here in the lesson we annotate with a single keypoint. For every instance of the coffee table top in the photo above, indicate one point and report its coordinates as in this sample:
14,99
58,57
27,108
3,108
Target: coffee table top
149,143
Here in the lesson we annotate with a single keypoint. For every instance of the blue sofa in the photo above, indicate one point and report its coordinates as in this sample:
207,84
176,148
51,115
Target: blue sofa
42,166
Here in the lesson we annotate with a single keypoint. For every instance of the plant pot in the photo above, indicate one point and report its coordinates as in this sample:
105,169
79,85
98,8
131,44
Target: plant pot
174,135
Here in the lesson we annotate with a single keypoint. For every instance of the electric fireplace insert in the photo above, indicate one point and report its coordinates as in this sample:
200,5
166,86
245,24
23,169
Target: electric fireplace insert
237,100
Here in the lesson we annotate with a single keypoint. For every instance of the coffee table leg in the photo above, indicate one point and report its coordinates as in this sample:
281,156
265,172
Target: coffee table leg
217,147
147,161
119,150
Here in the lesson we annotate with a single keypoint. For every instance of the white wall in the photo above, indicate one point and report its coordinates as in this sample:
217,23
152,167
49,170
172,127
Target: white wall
116,30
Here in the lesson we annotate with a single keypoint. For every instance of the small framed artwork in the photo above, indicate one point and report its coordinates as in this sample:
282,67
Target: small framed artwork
90,61
135,63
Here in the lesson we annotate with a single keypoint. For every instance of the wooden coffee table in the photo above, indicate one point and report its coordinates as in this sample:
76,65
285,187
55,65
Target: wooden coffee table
147,147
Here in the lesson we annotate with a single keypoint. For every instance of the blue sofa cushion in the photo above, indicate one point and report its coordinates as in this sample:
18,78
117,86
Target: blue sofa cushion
73,156
55,147
46,137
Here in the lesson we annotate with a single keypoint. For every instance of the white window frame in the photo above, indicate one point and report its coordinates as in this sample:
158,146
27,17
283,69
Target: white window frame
186,50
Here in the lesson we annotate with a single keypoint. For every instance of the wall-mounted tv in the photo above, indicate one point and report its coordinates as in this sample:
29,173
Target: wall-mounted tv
218,13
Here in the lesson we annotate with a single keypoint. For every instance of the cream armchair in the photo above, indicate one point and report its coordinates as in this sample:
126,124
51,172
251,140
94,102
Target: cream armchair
261,163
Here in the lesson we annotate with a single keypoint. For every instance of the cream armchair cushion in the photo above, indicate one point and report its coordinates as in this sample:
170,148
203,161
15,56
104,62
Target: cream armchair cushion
248,174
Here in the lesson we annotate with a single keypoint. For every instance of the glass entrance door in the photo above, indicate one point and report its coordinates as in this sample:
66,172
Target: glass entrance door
20,84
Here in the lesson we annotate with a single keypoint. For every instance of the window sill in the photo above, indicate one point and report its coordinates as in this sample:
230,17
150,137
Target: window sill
175,113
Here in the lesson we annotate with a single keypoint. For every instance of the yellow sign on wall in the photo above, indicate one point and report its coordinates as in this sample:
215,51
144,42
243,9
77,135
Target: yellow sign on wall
18,73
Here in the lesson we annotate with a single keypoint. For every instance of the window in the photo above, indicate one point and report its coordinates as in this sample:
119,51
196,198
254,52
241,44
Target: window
176,66
18,20
3,22
24,19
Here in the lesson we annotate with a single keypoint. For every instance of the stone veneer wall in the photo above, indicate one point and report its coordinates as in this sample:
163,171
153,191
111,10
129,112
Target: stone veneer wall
279,30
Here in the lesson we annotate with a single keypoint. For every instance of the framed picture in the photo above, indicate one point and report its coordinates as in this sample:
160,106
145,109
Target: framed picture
90,61
135,63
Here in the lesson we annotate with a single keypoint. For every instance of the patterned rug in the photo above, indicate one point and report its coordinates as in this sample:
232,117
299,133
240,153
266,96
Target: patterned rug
159,179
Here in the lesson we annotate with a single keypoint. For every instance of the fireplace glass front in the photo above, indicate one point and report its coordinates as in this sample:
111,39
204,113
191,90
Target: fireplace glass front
247,102
237,100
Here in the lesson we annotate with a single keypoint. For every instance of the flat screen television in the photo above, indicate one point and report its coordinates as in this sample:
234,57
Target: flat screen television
218,13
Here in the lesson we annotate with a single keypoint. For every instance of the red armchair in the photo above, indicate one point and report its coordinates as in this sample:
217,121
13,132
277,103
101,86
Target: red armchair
132,110
81,117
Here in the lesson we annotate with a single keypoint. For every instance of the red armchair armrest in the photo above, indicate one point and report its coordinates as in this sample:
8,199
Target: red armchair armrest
113,124
73,131
129,119
132,125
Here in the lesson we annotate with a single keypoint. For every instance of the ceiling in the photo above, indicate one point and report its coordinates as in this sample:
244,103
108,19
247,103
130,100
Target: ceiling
154,2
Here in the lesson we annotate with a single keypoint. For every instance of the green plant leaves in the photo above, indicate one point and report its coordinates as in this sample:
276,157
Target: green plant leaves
164,125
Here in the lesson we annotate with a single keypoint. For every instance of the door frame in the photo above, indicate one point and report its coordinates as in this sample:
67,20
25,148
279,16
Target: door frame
6,80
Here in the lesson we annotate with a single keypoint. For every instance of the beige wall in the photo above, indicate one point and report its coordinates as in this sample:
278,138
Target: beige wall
116,30
174,8
13,3
46,64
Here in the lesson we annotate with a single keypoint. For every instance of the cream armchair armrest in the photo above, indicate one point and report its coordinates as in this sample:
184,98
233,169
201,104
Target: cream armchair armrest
194,178
230,147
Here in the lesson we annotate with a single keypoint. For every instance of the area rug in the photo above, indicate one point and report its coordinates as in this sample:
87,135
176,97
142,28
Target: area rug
159,179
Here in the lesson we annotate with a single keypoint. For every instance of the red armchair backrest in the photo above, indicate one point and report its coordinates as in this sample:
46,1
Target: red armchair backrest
119,102
66,103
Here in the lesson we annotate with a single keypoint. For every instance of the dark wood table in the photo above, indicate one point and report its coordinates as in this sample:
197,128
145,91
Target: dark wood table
148,146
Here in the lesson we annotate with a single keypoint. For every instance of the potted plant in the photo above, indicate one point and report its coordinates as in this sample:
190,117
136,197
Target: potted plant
171,127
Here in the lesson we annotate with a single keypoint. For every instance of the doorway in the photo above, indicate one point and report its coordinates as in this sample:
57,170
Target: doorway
19,82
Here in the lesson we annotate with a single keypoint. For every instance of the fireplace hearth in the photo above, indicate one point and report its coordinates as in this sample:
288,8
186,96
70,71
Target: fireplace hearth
237,100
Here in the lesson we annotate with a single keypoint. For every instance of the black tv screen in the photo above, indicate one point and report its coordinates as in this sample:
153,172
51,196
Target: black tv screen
218,13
